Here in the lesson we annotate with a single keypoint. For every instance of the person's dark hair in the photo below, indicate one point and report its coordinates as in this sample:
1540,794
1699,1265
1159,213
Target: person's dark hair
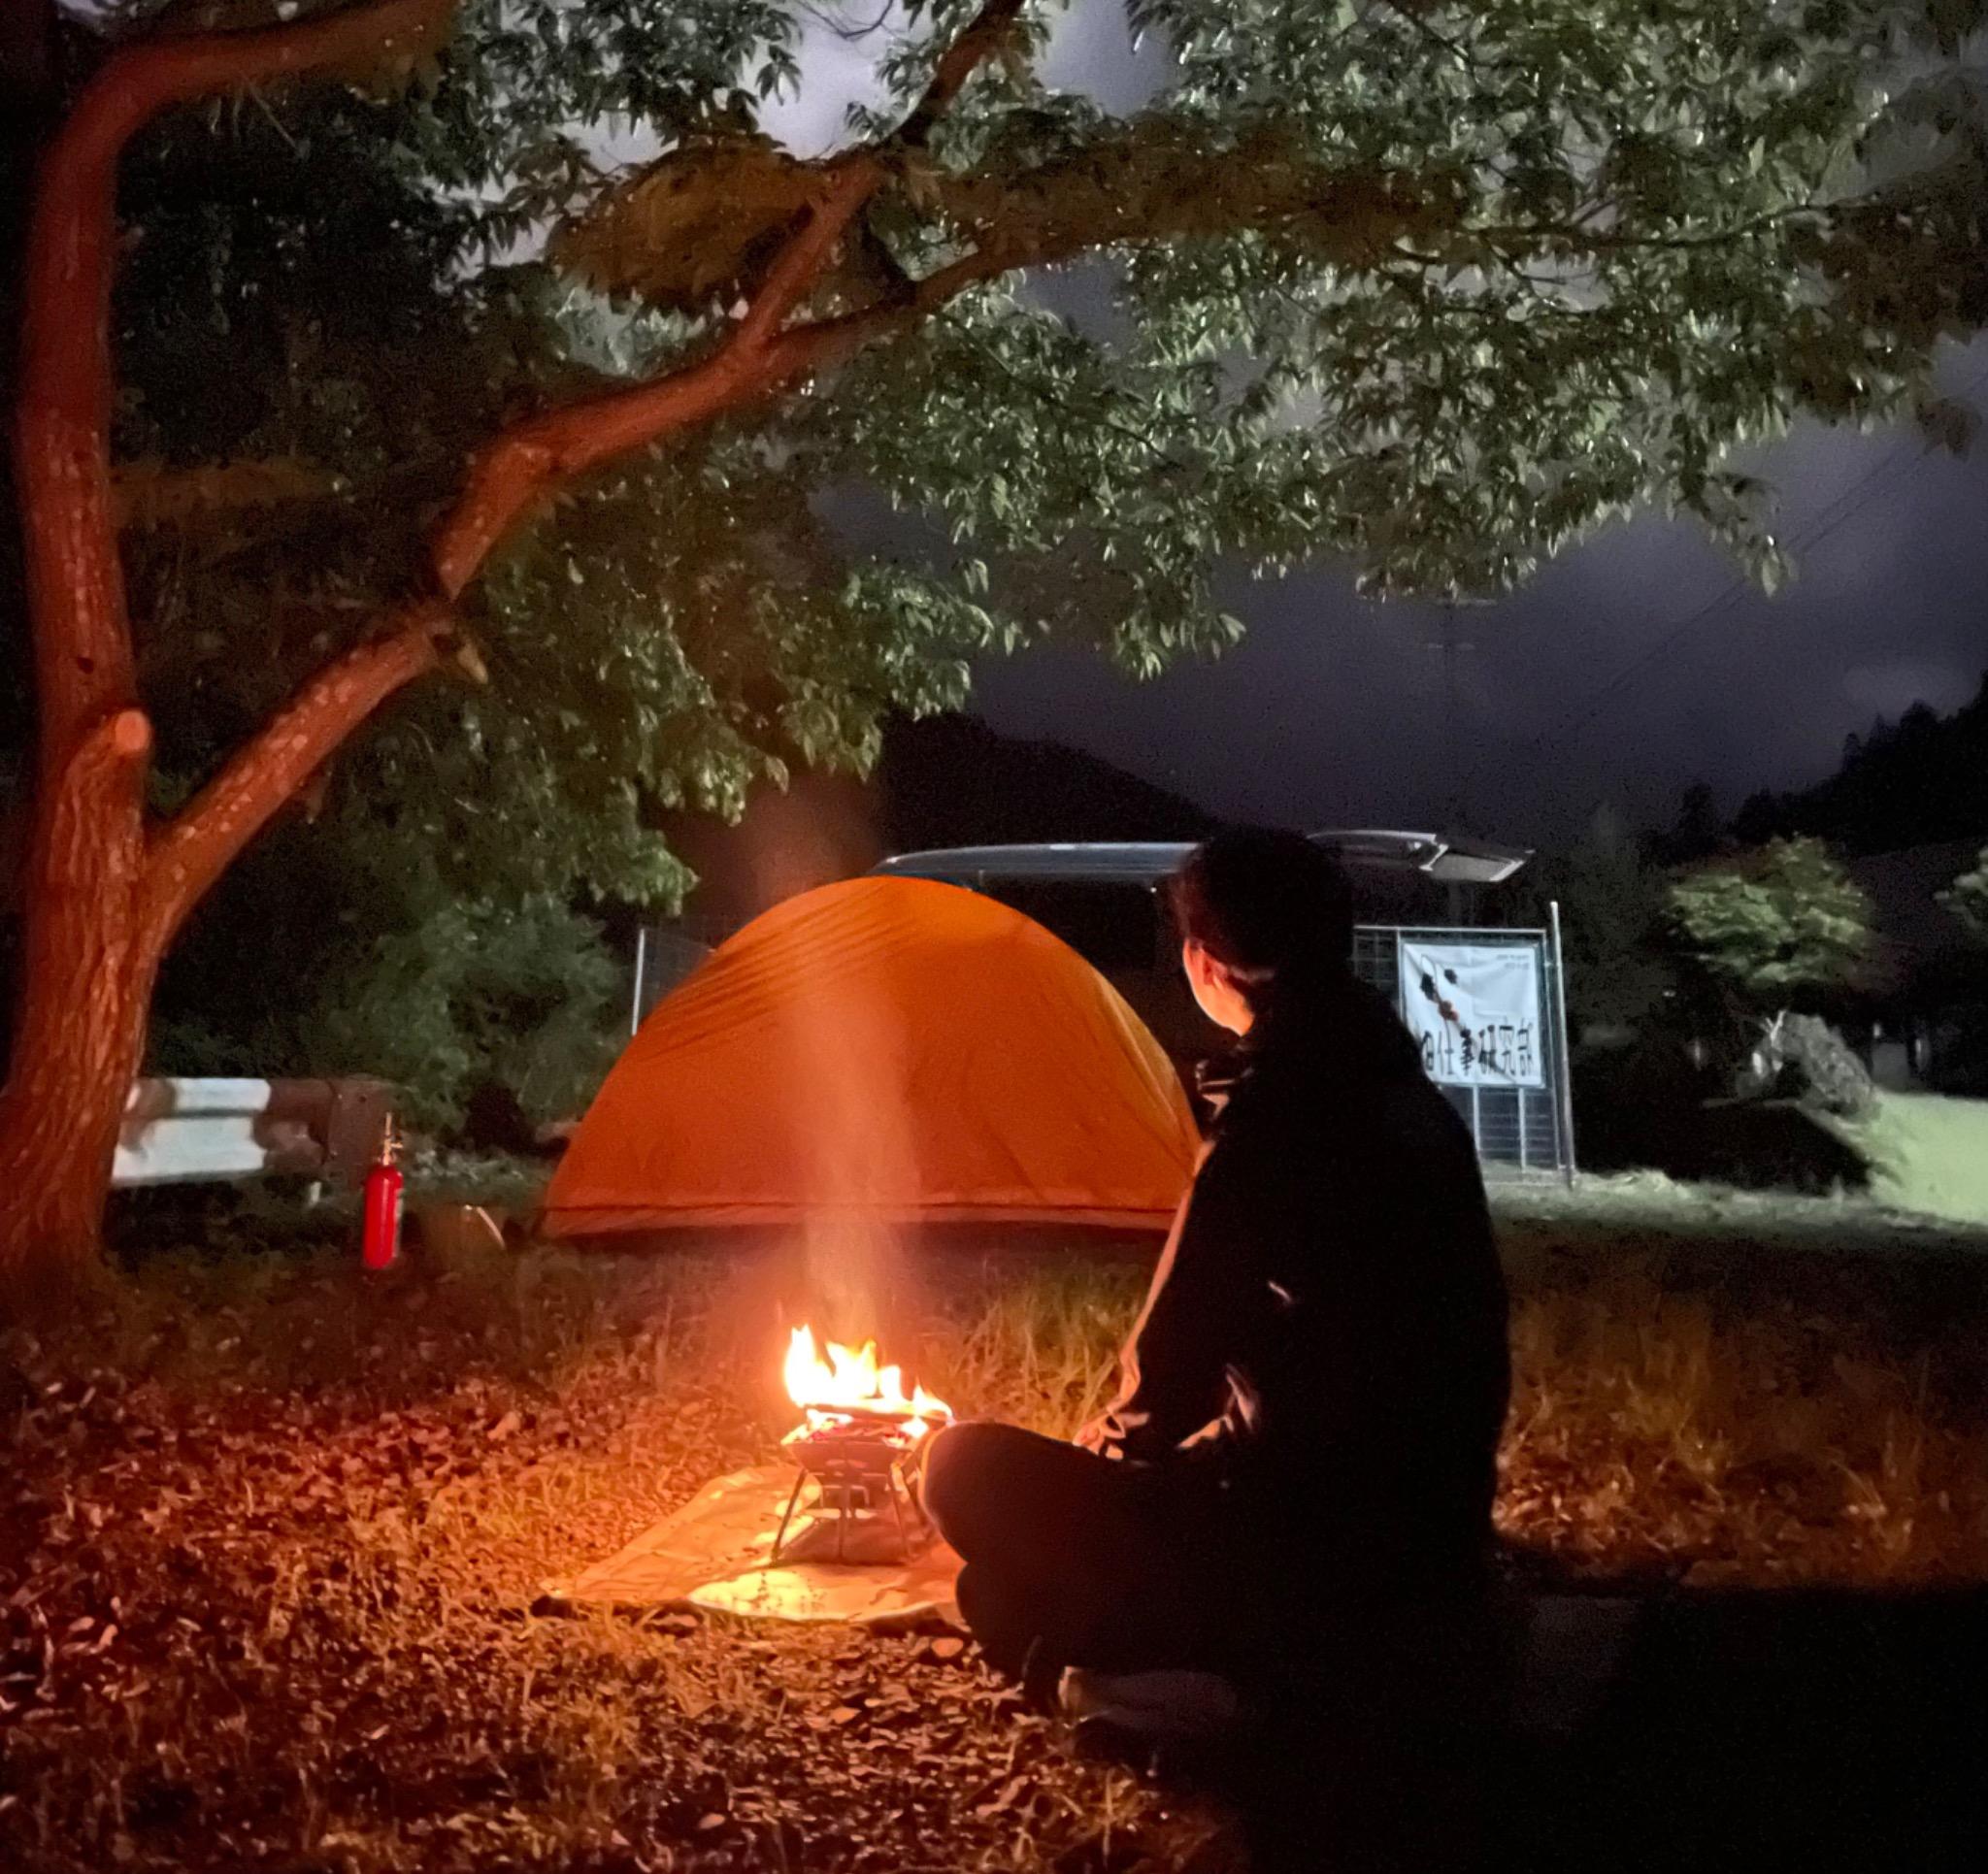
1273,906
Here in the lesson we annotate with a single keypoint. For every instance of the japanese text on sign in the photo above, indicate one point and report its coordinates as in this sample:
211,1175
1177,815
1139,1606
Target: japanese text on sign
1474,1010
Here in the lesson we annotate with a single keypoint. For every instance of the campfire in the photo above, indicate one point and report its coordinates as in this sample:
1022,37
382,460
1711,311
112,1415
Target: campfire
859,1431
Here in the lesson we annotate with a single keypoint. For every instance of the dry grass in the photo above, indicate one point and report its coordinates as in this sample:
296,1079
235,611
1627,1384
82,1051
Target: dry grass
1655,1432
271,1536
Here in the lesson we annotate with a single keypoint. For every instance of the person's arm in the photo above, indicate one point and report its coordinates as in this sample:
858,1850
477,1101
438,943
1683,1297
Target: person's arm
1198,1314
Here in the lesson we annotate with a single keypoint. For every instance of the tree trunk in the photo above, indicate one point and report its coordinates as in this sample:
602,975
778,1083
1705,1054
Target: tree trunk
60,1112
93,924
87,966
103,892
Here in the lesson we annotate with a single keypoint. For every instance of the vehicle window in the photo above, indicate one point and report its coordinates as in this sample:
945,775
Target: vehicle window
1111,927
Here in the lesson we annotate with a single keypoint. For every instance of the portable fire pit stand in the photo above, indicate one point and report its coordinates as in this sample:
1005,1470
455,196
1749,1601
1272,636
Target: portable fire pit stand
857,1465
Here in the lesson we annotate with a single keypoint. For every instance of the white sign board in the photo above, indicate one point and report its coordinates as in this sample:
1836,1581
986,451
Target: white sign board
1474,1010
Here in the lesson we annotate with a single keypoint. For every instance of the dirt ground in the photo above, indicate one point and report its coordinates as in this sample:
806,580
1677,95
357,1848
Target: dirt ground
271,1535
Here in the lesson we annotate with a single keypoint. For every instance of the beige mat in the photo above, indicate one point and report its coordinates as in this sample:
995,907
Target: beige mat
713,1553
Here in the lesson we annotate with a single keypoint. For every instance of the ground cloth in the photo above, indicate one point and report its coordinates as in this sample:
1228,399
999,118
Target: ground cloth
714,1555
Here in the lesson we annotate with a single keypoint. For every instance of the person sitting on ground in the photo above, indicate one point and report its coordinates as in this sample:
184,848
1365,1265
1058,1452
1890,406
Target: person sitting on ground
1308,1417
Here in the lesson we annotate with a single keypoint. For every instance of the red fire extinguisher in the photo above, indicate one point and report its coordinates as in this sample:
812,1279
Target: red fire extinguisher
384,1182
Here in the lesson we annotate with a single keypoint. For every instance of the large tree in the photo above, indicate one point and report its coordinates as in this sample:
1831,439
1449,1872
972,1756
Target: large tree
1784,924
1614,905
1434,288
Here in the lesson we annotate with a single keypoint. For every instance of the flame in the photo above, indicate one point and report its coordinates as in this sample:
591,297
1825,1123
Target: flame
850,1384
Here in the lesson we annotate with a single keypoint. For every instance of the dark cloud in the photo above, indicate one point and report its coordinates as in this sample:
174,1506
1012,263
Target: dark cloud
1582,687
1590,686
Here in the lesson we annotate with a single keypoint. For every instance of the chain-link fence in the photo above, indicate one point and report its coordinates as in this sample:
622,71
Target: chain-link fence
665,954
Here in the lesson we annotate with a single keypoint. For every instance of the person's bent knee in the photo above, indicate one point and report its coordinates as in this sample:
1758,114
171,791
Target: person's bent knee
957,1476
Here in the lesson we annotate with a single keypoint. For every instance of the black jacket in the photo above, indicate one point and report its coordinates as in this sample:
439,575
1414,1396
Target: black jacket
1325,1336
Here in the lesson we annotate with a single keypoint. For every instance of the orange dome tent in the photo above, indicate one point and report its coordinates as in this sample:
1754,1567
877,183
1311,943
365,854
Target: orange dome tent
889,1050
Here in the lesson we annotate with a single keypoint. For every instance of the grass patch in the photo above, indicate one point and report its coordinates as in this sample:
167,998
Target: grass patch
1928,1153
270,1533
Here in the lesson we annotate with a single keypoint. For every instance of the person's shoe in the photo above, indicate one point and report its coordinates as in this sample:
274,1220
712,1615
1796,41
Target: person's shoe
1040,1678
1171,1706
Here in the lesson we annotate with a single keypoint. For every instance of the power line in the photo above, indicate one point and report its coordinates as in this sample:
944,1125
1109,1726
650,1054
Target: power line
1893,468
1458,774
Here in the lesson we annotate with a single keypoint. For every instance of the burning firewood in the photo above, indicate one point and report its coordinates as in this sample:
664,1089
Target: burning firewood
859,1433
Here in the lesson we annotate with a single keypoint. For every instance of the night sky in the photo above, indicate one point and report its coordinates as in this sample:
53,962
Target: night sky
1580,689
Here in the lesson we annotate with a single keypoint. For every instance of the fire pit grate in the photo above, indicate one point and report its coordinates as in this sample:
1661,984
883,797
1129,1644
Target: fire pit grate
857,1443
860,1467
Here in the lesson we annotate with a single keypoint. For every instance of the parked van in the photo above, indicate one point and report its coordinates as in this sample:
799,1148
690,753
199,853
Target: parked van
1103,898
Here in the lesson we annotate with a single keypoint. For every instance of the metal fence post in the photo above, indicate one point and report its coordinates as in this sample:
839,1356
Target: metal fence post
1564,1063
641,963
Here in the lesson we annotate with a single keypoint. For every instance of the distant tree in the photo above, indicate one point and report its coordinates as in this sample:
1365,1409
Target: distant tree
1967,898
1920,780
1761,816
1432,289
1781,925
1698,829
1612,904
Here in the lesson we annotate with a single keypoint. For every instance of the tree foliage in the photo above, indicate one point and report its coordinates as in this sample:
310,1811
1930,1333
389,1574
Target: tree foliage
1785,924
364,968
1430,289
254,346
1437,289
1967,898
1615,926
1434,289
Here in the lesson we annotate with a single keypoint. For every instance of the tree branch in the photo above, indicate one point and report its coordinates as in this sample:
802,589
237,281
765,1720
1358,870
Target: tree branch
1566,240
146,77
527,460
984,39
192,850
518,466
75,582
524,462
105,770
152,494
1456,49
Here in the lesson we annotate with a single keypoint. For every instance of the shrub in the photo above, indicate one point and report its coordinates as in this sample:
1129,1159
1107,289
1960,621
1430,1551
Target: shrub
515,993
439,994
